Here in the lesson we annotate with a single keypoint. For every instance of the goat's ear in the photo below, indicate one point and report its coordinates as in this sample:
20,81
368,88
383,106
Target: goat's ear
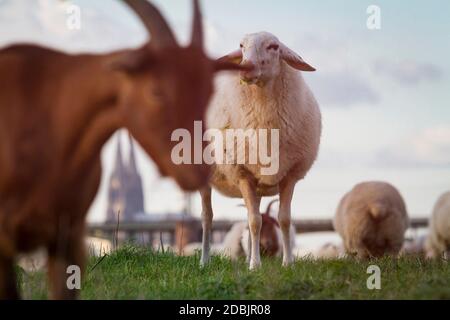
223,65
131,62
294,60
234,57
231,62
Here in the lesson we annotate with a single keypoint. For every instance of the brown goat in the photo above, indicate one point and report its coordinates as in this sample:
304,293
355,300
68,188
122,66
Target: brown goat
57,111
269,242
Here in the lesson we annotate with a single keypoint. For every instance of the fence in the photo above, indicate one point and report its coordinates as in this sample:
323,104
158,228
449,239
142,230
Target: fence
179,232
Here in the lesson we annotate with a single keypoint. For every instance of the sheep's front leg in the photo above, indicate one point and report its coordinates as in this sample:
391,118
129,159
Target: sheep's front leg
8,286
286,188
254,220
207,216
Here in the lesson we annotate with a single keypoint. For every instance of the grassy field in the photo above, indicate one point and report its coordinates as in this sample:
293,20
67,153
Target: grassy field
133,273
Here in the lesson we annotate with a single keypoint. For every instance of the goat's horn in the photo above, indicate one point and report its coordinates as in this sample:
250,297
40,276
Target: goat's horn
197,26
269,206
154,22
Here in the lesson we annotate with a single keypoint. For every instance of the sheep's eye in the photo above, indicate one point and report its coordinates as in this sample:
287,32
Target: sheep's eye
241,45
273,47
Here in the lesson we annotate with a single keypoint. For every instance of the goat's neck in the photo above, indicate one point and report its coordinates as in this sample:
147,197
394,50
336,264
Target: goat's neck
97,115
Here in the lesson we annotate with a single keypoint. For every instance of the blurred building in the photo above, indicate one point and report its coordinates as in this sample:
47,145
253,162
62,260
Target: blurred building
125,192
126,205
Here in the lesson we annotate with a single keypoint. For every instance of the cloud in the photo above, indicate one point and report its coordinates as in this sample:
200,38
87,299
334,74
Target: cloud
342,88
430,147
45,22
408,72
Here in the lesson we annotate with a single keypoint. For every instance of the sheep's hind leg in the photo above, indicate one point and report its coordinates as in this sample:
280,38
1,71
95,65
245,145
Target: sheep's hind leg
207,216
284,217
254,220
8,285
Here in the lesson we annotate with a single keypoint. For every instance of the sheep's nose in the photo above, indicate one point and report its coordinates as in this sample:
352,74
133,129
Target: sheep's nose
248,75
250,65
249,78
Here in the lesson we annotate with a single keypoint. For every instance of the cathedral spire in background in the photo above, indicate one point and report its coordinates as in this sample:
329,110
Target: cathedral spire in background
118,165
125,194
132,157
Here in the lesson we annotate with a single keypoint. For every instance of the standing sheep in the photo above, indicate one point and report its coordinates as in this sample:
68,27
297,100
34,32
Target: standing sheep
438,240
372,220
273,95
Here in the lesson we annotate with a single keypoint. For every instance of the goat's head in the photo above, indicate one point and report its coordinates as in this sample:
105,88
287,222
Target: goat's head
169,88
264,53
269,242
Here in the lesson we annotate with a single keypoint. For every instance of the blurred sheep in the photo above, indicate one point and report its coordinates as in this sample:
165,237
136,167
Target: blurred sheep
438,240
372,220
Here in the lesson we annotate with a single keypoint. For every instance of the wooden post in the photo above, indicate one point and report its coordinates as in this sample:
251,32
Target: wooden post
187,231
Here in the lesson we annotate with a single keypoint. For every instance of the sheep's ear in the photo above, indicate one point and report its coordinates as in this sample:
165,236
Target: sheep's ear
294,60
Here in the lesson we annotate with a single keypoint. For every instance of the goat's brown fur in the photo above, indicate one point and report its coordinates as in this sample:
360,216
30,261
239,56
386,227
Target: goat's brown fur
57,111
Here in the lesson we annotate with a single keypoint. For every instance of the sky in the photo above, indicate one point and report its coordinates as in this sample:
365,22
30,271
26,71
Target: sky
384,94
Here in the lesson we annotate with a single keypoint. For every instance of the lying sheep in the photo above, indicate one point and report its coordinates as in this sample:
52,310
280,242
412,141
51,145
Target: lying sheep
271,238
372,220
37,260
273,95
236,241
330,251
438,240
326,251
414,246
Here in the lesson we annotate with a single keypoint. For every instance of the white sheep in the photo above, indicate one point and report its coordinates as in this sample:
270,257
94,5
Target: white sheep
271,96
438,240
372,220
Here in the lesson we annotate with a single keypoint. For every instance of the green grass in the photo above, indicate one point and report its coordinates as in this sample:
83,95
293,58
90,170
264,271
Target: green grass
134,273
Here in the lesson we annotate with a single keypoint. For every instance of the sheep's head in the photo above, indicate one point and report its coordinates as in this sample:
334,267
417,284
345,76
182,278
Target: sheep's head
264,53
168,88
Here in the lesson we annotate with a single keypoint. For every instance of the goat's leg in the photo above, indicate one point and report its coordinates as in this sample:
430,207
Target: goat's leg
8,284
207,216
254,220
67,251
286,188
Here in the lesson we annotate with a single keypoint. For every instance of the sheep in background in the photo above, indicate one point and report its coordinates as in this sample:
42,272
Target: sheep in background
271,238
273,95
372,220
330,251
327,251
438,240
37,260
414,246
235,243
